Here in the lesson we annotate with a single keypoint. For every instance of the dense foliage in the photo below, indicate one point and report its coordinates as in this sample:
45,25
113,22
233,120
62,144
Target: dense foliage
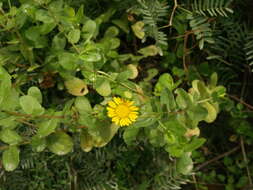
138,94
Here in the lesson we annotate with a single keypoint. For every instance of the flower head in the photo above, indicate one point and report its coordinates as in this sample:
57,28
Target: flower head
122,111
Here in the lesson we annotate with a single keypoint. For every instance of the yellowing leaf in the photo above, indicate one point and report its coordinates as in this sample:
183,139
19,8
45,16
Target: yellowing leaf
151,50
138,29
133,70
212,112
76,87
192,132
86,141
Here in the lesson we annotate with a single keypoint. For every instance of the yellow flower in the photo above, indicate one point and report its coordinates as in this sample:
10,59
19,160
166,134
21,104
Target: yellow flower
122,111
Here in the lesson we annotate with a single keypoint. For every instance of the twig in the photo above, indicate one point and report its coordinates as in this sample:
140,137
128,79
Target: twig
173,12
28,115
195,181
245,160
171,16
216,158
185,50
241,101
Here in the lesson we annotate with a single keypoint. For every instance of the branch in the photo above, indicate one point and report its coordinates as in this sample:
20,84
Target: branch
241,101
29,115
245,160
216,158
173,12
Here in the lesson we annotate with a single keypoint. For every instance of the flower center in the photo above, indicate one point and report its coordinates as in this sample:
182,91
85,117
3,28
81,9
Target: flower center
122,111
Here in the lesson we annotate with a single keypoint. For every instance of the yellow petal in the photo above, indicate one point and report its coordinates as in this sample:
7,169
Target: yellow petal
116,120
111,114
122,122
132,117
127,121
112,104
110,109
129,103
117,100
134,108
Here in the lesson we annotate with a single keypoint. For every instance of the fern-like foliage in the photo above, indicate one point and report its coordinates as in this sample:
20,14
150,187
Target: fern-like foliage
234,45
154,12
202,29
212,7
168,178
248,48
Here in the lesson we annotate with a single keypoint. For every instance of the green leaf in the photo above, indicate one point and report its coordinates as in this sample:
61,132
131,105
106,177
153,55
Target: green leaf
91,56
47,127
168,99
130,134
60,143
111,32
74,36
30,105
194,144
46,28
148,121
68,60
11,158
33,33
35,92
183,99
123,76
89,30
43,16
106,132
103,87
197,113
156,137
122,24
213,80
5,85
185,164
8,122
10,137
83,106
176,127
38,144
165,81
175,150
59,42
